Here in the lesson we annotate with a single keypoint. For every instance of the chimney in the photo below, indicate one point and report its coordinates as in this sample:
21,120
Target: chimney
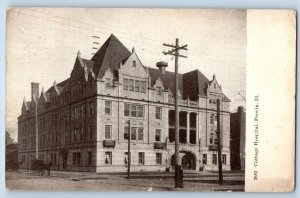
34,91
162,66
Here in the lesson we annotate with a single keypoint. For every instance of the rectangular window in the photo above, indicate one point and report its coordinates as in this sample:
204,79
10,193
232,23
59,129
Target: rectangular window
158,135
134,63
91,132
126,109
133,133
107,107
108,158
211,138
159,91
141,158
204,159
158,158
133,110
91,108
137,86
126,128
90,158
78,158
140,111
158,113
141,134
107,82
125,84
74,158
143,86
223,159
108,131
214,159
131,85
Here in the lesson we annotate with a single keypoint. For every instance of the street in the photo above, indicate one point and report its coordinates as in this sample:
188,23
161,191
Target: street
142,181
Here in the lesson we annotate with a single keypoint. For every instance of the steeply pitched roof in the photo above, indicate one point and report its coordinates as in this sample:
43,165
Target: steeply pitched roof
109,55
167,79
194,84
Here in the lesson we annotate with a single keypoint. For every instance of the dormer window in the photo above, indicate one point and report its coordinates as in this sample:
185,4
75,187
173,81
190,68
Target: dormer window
107,82
159,91
134,63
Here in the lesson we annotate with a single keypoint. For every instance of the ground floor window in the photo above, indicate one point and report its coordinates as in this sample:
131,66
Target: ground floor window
214,159
204,159
141,158
158,158
108,158
76,158
90,158
223,159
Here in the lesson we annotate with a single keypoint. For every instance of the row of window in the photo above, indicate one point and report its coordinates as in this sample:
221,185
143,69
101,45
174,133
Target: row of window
132,110
136,133
214,159
134,85
141,158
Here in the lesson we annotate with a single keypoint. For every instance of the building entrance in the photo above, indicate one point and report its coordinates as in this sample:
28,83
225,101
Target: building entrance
188,160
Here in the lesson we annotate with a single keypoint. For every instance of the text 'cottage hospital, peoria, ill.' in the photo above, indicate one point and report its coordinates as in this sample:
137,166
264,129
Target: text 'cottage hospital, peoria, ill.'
84,121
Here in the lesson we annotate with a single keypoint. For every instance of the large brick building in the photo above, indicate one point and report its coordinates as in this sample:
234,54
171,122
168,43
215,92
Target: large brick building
83,122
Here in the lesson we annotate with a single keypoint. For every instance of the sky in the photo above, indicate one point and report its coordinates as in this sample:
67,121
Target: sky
42,44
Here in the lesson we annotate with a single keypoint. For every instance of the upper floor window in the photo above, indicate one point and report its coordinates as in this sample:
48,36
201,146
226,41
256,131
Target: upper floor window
212,119
134,63
107,107
108,132
125,84
131,85
136,133
158,113
143,86
107,82
133,110
137,85
159,91
158,135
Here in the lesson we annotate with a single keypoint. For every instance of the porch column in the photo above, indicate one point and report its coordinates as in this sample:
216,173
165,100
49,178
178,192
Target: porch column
187,127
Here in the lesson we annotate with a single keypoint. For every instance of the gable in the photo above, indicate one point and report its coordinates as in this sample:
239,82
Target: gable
132,66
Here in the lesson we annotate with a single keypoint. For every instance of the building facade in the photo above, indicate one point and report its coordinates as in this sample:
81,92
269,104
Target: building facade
237,136
84,122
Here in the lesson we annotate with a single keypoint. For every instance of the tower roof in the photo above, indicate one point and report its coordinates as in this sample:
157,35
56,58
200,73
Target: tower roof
109,55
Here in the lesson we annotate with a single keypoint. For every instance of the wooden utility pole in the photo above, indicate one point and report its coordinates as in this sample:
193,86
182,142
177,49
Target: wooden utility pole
129,154
175,52
219,143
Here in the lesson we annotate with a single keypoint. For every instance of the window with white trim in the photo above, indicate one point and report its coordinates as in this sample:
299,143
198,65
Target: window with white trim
223,159
158,158
108,132
214,159
108,158
158,135
131,85
125,84
132,110
107,107
141,158
158,113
